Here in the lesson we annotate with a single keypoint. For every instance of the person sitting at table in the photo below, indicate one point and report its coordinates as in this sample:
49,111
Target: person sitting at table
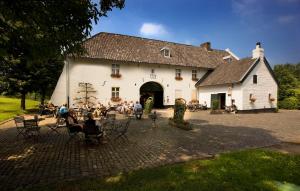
72,122
97,111
90,127
138,110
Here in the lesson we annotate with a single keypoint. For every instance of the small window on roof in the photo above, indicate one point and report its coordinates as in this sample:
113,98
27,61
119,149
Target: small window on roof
166,52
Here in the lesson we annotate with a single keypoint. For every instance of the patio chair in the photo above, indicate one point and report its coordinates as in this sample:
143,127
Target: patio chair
31,128
121,129
19,121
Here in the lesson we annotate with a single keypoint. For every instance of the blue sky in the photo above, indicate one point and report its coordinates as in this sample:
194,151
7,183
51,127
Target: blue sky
233,24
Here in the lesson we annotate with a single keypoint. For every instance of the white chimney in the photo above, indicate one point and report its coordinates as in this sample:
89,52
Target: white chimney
258,52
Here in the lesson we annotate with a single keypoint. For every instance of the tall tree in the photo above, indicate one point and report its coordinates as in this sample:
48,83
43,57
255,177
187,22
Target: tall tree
34,32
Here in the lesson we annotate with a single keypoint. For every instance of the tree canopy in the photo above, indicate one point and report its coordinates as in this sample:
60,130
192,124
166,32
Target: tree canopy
35,33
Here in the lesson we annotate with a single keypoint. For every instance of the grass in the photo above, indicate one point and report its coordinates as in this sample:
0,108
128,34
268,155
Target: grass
243,170
10,107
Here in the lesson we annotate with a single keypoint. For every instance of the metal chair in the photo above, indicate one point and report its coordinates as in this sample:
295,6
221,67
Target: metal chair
31,127
121,129
19,121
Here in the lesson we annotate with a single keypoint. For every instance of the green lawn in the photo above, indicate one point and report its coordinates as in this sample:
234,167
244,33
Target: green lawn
10,107
244,170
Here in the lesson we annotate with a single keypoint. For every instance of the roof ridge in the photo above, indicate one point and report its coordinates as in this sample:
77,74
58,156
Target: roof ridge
144,38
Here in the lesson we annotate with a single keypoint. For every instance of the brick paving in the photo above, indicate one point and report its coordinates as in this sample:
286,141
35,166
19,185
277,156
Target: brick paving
52,158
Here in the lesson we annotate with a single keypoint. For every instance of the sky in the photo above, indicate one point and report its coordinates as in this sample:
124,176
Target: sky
233,24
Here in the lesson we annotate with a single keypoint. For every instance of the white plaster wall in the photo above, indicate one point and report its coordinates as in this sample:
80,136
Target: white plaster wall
134,75
265,85
236,94
59,95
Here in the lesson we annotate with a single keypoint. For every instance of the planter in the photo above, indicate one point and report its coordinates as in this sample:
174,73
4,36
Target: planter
181,125
178,78
216,111
252,100
195,79
115,99
272,99
116,75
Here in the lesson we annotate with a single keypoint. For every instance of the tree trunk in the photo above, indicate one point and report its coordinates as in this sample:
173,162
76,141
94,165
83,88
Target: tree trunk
23,96
42,98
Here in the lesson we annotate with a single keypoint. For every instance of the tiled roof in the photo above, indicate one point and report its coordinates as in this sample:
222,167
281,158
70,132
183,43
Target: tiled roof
142,50
228,73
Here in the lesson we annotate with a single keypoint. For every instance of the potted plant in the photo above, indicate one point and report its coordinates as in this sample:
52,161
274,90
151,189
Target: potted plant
178,116
117,75
271,99
252,98
115,99
178,78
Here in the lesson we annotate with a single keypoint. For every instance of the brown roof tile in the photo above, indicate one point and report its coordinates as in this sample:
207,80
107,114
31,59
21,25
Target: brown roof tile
136,49
227,73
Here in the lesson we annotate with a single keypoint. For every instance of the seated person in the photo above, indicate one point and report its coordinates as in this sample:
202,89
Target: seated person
90,127
72,123
138,110
63,111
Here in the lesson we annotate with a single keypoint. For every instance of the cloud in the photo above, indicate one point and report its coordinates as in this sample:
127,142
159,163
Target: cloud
246,7
285,19
152,29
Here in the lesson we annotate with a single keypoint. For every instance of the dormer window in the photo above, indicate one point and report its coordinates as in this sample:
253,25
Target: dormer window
227,59
166,52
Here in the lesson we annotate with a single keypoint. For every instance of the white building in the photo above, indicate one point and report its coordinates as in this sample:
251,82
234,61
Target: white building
127,68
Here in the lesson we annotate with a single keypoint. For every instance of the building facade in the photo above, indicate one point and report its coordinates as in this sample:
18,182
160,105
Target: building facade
122,68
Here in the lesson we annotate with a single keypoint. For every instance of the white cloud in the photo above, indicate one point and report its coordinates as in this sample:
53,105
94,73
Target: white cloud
152,29
246,7
285,19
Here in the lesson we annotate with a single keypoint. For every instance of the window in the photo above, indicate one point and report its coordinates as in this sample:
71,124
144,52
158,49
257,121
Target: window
115,69
115,92
194,74
152,71
254,79
165,52
178,73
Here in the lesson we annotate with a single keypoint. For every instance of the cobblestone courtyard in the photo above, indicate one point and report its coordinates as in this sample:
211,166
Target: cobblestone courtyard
52,158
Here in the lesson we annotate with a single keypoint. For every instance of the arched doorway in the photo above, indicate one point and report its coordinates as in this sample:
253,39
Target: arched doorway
155,90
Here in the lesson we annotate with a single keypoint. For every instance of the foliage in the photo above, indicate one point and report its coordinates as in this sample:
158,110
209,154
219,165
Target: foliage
10,107
34,33
179,110
289,103
288,76
215,104
148,105
242,170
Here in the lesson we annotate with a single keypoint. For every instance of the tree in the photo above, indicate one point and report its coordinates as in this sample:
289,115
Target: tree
34,32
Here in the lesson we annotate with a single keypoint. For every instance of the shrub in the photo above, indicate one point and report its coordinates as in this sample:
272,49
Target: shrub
215,104
179,110
148,105
289,103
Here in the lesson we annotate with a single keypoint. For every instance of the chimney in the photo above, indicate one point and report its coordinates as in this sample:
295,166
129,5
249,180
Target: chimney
258,52
206,45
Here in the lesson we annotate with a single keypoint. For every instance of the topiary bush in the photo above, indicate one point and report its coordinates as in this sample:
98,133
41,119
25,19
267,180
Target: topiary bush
179,110
215,104
289,103
148,105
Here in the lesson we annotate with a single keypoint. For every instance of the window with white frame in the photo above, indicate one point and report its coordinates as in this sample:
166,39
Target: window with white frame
194,74
166,52
115,92
115,69
177,73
